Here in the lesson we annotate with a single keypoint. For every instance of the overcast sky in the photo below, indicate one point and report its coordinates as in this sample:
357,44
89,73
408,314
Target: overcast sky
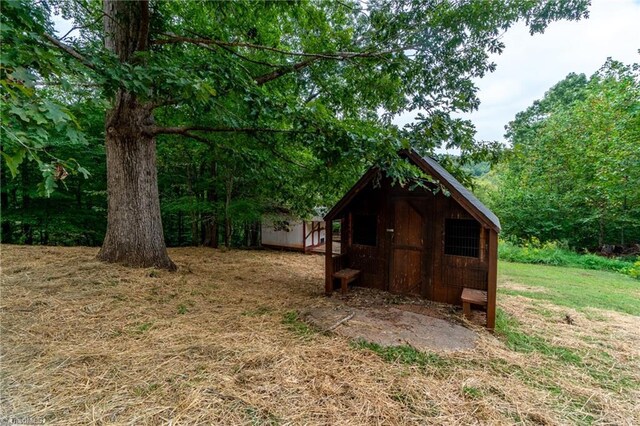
530,65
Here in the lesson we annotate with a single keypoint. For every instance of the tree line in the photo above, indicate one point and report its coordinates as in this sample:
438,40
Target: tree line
572,173
182,115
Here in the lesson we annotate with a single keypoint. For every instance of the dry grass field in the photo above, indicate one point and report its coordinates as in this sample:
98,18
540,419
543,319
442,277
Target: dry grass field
219,342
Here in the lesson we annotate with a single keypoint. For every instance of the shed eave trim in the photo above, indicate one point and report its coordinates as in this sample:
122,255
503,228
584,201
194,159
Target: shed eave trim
469,202
459,193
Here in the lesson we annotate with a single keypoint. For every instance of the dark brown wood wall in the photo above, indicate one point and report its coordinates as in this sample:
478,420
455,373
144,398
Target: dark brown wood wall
457,271
409,255
443,276
371,260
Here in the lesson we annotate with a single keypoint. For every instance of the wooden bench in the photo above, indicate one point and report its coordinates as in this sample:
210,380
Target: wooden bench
346,276
470,297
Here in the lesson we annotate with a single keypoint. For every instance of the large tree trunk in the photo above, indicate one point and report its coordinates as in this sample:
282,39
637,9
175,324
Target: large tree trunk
134,228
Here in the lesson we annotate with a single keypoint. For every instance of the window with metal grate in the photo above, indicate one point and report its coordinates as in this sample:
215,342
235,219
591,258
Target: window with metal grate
462,237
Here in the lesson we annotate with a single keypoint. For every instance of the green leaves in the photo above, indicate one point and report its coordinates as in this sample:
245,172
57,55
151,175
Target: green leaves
49,184
326,77
54,112
21,77
14,160
84,172
574,171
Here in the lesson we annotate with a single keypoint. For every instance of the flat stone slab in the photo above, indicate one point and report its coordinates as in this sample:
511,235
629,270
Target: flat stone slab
391,326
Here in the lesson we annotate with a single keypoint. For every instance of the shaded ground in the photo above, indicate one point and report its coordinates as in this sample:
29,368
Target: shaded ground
219,342
387,320
392,326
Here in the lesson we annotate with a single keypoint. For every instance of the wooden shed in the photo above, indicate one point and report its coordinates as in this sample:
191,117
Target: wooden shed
442,246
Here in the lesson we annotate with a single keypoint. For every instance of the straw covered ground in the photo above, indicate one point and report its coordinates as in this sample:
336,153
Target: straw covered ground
220,342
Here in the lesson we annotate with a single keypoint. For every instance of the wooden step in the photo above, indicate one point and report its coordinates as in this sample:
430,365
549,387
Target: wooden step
347,273
477,297
346,276
471,296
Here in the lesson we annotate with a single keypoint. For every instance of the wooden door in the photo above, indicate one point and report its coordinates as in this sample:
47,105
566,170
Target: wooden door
407,249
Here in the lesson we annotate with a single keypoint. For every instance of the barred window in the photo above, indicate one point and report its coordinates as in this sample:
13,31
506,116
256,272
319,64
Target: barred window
462,237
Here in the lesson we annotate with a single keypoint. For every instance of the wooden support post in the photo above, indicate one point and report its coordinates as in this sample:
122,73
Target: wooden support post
328,253
483,244
304,236
344,236
492,286
466,309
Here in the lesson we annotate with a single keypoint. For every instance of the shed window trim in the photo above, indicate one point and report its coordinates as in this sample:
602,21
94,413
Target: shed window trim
462,238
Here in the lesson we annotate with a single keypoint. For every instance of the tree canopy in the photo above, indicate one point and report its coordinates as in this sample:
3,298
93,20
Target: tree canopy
574,170
283,103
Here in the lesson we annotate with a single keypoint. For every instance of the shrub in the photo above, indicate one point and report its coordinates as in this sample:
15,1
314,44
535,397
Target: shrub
634,271
558,254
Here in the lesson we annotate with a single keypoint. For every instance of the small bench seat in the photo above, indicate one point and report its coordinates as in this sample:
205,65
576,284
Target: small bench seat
470,297
346,276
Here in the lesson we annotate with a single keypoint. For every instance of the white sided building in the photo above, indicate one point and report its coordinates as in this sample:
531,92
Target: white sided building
286,233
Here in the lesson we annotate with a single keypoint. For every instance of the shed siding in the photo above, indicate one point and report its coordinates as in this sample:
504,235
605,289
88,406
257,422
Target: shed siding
409,252
443,276
283,238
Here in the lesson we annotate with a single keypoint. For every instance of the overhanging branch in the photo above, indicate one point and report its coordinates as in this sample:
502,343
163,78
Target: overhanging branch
70,51
282,70
187,130
175,39
265,78
197,138
204,140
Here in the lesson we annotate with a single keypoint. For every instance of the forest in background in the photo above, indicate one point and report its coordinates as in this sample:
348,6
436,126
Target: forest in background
250,122
571,175
572,172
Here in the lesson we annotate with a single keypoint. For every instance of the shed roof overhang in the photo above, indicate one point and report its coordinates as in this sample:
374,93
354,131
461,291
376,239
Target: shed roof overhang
431,167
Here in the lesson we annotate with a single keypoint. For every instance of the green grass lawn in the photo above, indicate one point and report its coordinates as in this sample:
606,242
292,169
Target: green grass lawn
572,287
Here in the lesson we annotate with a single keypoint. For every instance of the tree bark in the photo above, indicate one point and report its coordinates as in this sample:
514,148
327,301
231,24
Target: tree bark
6,234
27,229
227,219
210,222
193,215
134,228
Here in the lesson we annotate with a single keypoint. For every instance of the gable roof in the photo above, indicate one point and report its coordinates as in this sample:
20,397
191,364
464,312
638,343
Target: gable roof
431,167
